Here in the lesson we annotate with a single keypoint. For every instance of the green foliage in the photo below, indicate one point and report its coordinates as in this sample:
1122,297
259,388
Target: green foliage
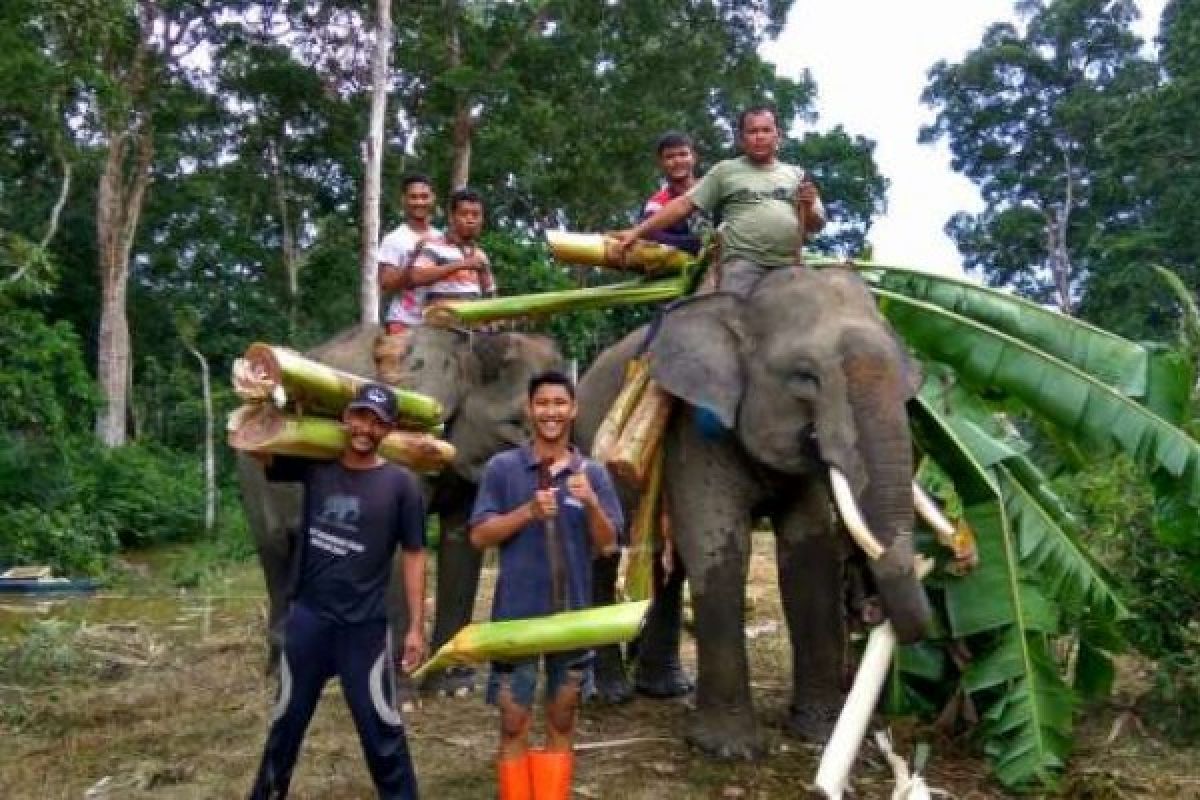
44,386
149,492
71,538
1022,114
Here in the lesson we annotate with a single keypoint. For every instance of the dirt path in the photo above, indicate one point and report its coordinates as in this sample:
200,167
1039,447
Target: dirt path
175,706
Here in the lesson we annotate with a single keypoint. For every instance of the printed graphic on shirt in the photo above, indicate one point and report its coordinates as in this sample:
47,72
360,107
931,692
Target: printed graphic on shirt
340,511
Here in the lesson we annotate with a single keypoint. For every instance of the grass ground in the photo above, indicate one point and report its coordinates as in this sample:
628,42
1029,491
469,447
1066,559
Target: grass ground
162,695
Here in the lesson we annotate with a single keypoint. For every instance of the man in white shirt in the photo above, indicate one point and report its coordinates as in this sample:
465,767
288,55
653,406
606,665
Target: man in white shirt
397,252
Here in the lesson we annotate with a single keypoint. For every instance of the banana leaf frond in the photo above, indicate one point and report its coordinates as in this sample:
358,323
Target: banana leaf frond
1064,395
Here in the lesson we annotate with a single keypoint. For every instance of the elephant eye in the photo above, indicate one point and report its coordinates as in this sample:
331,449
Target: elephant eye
804,382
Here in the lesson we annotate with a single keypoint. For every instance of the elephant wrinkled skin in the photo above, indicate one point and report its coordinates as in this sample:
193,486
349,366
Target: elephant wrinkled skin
800,376
481,381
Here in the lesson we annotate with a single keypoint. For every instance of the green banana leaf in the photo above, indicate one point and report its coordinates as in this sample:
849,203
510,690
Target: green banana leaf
1031,569
1069,398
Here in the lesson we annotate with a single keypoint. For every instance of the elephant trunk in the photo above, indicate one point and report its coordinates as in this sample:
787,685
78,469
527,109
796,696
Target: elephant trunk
876,396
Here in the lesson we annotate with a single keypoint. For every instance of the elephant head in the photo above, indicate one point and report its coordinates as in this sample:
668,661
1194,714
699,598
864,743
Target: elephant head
808,376
480,379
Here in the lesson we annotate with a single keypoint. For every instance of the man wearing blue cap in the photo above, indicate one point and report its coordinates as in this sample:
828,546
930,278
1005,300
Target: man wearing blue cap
357,509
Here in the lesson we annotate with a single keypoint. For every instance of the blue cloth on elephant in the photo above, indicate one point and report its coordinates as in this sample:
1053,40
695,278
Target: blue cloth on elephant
523,587
353,520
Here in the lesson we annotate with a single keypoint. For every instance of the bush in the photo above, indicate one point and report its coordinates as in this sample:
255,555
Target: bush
44,386
71,539
153,494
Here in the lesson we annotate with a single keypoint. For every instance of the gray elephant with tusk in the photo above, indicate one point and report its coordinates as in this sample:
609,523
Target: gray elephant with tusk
481,381
793,388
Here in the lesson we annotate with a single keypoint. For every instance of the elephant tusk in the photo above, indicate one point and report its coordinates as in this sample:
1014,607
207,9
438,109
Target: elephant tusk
933,516
847,506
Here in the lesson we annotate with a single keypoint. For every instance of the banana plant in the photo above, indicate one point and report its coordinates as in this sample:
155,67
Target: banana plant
1036,585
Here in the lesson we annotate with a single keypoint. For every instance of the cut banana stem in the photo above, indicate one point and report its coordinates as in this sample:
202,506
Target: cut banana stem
847,506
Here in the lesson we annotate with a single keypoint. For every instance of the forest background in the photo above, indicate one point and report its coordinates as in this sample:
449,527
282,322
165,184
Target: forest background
182,178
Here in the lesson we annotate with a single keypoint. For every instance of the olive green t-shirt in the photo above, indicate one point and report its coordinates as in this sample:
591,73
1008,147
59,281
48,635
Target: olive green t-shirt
756,205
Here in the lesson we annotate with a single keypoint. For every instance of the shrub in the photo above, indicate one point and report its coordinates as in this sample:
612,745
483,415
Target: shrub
71,539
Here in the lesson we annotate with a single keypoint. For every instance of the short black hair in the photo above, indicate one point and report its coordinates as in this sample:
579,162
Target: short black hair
464,195
551,377
414,178
757,108
673,139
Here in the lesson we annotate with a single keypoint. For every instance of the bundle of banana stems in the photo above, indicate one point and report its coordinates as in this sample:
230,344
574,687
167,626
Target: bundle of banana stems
267,373
262,428
640,439
466,313
521,638
600,250
637,375
643,535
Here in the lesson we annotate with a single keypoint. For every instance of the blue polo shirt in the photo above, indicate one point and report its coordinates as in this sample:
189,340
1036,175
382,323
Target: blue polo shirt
523,587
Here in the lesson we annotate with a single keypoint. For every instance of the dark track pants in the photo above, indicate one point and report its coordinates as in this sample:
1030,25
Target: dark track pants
314,650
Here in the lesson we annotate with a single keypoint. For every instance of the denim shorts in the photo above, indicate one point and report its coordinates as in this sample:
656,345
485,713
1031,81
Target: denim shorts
522,676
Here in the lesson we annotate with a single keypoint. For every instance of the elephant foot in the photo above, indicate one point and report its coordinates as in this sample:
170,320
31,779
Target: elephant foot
451,682
663,682
812,720
730,735
612,685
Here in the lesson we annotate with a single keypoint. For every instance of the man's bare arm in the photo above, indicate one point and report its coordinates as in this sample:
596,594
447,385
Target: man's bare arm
425,271
393,278
678,209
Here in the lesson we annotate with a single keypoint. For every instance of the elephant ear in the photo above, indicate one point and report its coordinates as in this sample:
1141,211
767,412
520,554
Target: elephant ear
696,354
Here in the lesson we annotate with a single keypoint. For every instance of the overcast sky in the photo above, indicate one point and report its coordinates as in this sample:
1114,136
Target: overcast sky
869,59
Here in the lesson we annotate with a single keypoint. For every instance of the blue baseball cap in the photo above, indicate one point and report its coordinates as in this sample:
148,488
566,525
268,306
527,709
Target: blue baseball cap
377,398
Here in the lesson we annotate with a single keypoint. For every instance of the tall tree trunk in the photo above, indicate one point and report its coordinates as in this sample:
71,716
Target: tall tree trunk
118,206
287,235
460,170
460,135
210,461
380,59
1057,222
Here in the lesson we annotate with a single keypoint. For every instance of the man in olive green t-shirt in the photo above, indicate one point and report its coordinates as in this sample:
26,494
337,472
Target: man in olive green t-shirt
756,196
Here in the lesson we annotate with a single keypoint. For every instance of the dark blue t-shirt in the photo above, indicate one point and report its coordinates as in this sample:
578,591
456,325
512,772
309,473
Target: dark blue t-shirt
353,520
523,587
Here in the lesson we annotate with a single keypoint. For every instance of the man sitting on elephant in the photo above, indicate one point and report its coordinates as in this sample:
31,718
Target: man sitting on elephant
756,197
396,254
456,267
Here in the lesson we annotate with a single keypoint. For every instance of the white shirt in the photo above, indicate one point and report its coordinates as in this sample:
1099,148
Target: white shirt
399,248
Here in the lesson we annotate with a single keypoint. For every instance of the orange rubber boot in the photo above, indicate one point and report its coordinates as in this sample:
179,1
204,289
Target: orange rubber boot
513,778
551,771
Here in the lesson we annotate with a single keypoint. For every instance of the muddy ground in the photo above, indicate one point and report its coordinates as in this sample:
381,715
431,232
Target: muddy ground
162,695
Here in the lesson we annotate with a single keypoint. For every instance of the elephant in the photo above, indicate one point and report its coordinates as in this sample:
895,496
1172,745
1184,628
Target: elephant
481,380
781,392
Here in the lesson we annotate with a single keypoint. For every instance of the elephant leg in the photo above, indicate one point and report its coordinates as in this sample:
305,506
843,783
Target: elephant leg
809,555
458,567
612,684
272,514
658,672
711,491
274,556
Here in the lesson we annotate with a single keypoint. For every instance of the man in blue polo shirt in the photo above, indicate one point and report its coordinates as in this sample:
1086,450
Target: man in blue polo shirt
550,511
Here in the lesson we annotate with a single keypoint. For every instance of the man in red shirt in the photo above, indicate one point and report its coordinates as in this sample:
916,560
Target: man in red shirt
677,161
